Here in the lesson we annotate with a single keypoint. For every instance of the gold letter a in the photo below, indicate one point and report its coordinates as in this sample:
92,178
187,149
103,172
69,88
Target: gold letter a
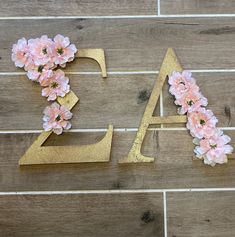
170,64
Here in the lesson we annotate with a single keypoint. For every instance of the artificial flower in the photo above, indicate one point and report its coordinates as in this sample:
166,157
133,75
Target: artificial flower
201,123
56,85
20,53
56,118
41,50
39,73
180,83
63,51
214,149
190,101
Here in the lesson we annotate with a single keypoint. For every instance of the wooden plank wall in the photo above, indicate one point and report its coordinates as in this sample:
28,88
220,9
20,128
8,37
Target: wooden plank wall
173,197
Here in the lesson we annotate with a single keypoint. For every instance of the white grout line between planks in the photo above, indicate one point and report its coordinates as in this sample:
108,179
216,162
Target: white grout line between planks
165,213
126,72
118,16
87,130
120,191
158,8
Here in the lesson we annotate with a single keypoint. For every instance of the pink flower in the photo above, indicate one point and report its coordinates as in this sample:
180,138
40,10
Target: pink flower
214,149
41,50
181,83
39,73
190,101
57,85
20,53
63,51
55,118
201,123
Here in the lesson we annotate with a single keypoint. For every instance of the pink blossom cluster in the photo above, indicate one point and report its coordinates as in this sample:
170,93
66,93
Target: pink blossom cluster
212,144
41,57
56,118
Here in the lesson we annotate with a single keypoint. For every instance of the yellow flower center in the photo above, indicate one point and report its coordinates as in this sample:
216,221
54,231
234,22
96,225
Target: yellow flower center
190,102
202,122
54,84
44,51
58,118
40,68
213,146
60,51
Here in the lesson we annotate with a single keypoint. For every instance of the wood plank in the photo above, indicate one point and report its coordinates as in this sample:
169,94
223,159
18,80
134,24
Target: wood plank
218,89
82,215
77,8
133,44
173,167
201,214
197,7
119,100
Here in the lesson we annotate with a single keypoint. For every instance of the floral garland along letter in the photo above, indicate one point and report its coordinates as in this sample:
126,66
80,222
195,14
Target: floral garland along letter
40,57
211,144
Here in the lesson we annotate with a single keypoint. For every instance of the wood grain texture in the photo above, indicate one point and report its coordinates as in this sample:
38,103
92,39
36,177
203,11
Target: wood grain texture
82,215
172,168
77,8
130,45
197,7
119,100
201,214
133,44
